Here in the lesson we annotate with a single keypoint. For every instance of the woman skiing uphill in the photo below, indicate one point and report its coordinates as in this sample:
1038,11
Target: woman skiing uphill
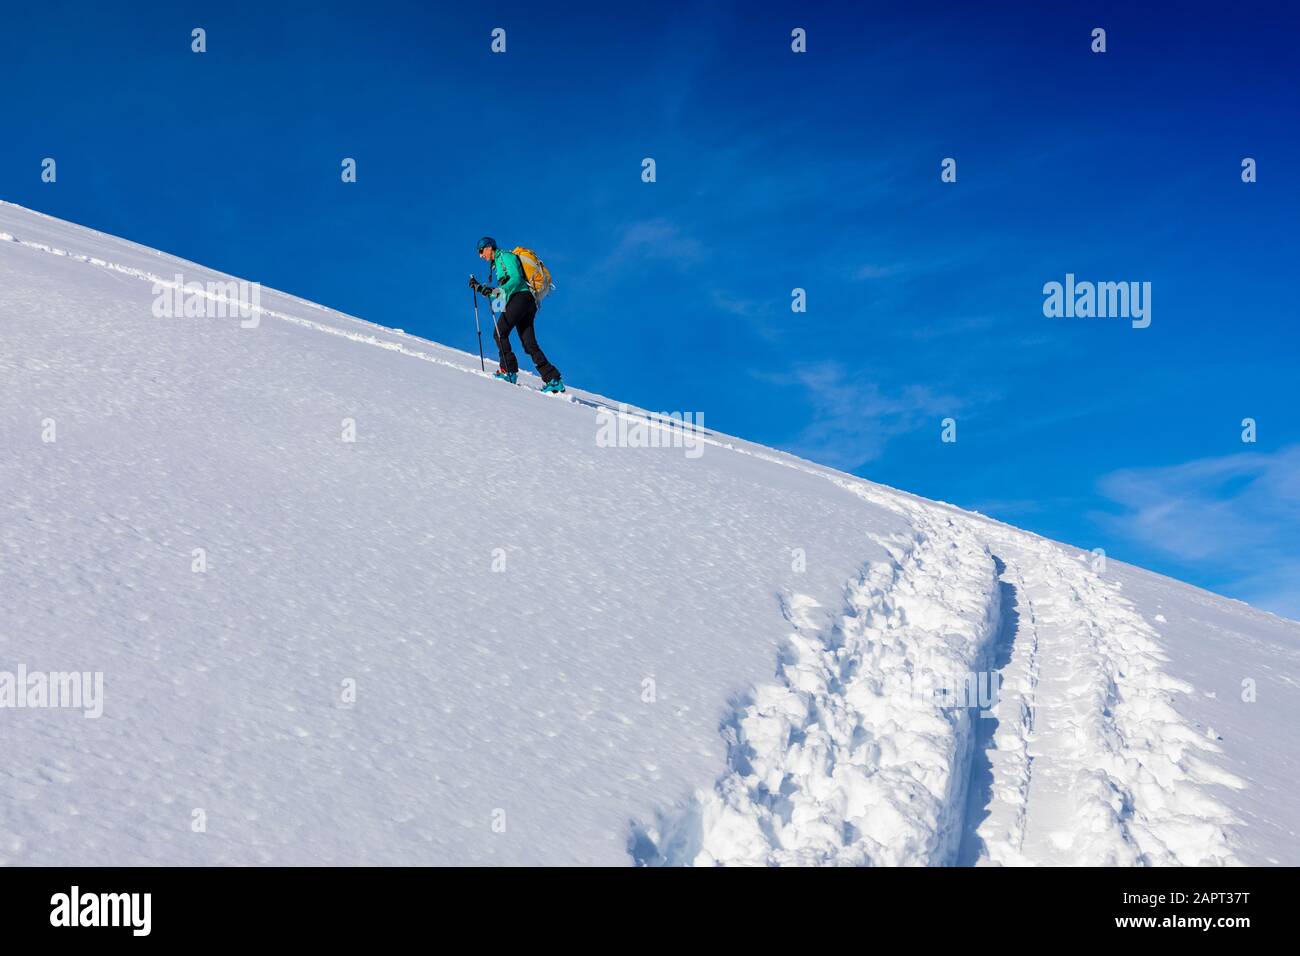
520,311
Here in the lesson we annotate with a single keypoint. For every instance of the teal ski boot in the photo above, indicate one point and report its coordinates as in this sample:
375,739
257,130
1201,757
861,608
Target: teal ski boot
553,387
511,377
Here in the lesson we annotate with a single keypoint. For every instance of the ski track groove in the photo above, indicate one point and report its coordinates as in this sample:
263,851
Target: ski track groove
1009,754
1097,767
835,763
1091,763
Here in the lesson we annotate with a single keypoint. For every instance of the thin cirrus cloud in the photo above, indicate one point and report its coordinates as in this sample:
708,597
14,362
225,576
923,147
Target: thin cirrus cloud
852,420
1235,514
658,238
873,270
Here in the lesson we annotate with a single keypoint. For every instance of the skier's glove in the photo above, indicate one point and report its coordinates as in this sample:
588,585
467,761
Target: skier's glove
477,286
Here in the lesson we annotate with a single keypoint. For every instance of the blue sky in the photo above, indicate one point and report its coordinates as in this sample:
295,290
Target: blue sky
775,170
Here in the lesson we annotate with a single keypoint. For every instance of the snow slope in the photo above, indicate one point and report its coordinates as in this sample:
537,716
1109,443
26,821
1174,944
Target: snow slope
478,635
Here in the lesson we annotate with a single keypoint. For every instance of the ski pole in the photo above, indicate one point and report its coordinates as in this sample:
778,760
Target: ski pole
478,328
496,322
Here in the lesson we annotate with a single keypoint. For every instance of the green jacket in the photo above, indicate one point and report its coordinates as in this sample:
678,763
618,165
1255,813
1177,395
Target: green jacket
509,274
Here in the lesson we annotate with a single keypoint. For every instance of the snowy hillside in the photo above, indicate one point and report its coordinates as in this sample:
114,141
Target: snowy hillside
346,611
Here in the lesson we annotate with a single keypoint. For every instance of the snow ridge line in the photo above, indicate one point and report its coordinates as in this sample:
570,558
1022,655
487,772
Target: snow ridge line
838,761
696,434
215,296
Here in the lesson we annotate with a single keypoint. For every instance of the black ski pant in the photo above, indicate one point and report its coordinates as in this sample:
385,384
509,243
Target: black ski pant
519,314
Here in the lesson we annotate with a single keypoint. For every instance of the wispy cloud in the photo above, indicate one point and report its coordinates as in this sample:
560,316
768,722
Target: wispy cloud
873,270
852,419
655,239
635,250
740,307
1237,515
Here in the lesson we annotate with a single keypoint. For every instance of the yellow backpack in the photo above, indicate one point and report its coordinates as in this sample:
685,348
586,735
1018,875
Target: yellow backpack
535,271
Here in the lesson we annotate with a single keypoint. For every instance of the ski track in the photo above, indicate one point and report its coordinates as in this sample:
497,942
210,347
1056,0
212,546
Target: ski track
832,763
1092,764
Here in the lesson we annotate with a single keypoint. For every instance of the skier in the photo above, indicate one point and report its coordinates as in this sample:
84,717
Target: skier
520,311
